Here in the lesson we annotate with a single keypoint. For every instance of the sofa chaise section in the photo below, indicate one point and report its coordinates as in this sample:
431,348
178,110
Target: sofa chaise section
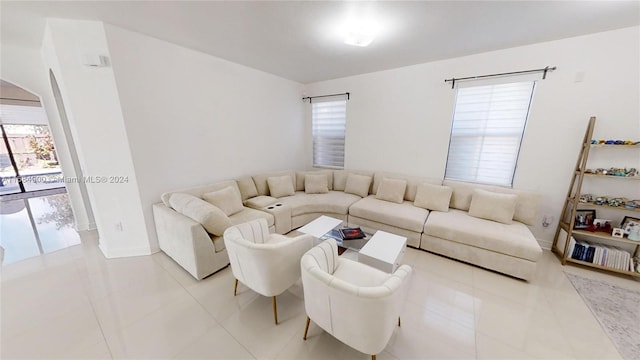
187,241
509,248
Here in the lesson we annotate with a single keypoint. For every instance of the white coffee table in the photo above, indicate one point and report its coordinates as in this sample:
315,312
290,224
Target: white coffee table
320,226
383,251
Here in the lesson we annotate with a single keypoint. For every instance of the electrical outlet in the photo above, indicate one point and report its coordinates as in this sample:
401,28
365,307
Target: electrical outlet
547,220
119,226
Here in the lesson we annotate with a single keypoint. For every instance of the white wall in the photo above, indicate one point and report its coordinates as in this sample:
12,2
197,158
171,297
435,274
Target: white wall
93,108
24,67
399,120
194,119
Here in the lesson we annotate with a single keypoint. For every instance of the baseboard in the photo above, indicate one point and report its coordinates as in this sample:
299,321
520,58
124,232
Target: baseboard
86,227
545,244
123,252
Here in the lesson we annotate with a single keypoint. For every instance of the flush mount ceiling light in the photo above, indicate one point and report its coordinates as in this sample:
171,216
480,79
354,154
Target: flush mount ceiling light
357,38
359,34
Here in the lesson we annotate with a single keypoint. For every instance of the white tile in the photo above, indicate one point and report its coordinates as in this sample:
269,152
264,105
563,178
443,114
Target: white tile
216,343
254,327
449,298
54,337
74,303
126,306
425,334
215,294
163,333
38,298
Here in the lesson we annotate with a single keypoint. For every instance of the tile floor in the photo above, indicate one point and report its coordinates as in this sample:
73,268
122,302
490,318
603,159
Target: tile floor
33,225
74,303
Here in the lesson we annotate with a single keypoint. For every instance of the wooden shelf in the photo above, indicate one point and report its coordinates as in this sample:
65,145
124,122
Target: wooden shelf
571,203
621,208
612,176
616,146
584,263
598,234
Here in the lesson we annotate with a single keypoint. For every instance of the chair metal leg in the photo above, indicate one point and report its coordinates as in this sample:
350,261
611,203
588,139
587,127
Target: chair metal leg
306,328
398,320
235,288
275,310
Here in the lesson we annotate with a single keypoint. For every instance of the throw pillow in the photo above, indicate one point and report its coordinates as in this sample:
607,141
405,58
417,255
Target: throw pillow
227,199
392,190
433,197
214,220
316,184
280,186
358,185
493,206
247,187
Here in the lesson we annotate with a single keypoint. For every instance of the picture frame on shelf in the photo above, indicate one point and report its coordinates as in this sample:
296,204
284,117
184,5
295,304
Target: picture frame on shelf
629,223
617,232
584,219
601,222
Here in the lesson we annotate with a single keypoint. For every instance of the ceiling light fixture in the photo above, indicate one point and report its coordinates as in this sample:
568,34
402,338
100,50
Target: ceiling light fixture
359,34
356,38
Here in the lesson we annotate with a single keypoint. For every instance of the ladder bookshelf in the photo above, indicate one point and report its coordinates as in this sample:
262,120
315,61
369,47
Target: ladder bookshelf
572,201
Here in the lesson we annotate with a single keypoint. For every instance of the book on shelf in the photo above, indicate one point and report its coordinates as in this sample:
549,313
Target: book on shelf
590,253
599,254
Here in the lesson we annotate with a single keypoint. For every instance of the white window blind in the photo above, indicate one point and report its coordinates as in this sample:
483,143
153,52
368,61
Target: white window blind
488,125
18,114
328,129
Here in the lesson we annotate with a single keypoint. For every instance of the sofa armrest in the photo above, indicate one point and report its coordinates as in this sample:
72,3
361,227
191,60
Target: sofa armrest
184,240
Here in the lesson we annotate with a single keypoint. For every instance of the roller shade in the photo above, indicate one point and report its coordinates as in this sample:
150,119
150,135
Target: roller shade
19,114
328,128
488,125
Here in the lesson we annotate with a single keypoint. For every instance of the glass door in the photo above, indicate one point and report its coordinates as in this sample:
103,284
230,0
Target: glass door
35,163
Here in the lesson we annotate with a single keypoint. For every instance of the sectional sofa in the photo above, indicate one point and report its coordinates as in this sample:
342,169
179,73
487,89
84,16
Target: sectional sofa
479,224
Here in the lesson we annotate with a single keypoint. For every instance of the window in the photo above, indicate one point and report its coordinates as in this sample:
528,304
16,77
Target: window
488,125
328,119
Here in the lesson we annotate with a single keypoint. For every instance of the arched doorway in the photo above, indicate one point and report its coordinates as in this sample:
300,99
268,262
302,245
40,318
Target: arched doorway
28,159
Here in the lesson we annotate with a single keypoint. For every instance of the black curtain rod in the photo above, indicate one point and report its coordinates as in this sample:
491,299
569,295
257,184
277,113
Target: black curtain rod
544,72
320,96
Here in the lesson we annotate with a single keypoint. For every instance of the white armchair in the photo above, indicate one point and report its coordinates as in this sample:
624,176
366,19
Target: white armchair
357,304
266,263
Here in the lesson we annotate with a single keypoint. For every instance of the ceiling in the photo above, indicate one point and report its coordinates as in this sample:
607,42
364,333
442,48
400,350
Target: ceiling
301,41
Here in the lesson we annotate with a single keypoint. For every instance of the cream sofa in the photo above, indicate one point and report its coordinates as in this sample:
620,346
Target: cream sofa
444,225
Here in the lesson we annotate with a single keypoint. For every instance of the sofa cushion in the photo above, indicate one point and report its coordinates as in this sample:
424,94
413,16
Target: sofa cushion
412,182
392,190
493,206
433,197
300,180
227,199
260,202
526,206
214,220
510,239
280,186
333,202
340,177
247,187
249,214
198,191
316,184
404,216
261,180
358,185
